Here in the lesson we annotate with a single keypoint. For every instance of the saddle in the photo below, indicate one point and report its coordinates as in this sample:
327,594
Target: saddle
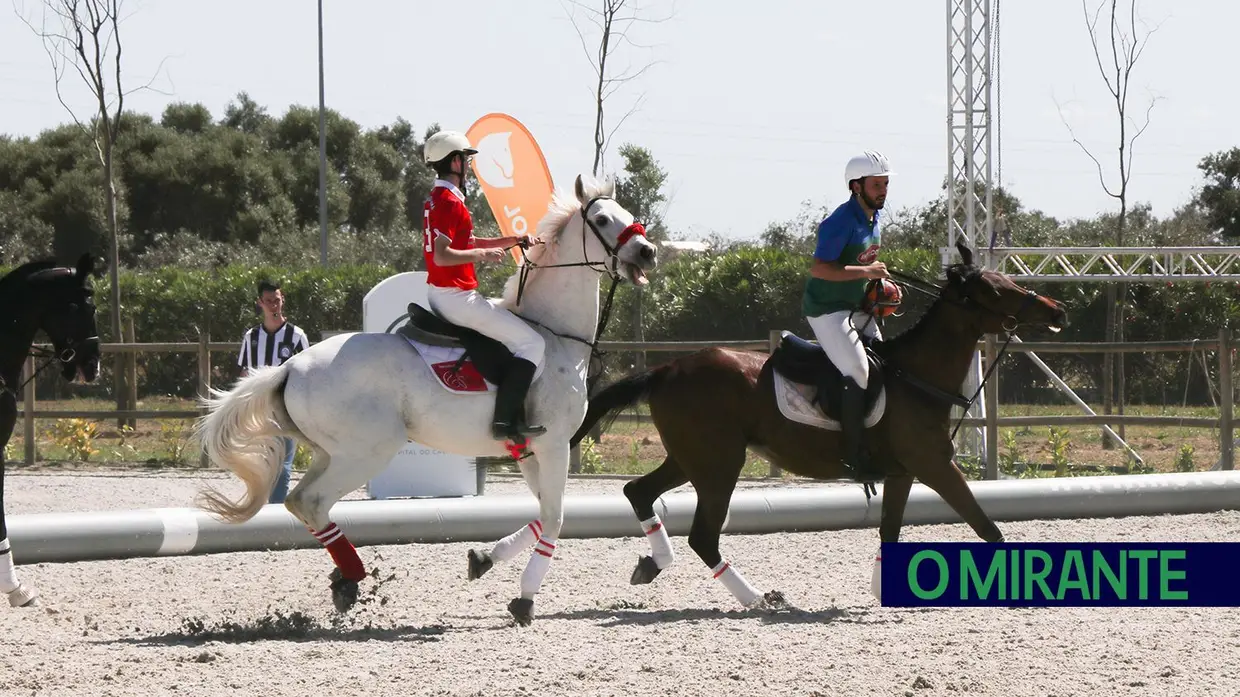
489,356
805,363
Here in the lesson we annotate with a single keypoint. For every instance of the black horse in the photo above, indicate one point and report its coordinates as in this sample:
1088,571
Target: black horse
33,297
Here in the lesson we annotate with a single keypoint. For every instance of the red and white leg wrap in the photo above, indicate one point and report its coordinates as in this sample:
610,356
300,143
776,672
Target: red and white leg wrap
536,568
735,583
8,574
660,543
342,552
512,545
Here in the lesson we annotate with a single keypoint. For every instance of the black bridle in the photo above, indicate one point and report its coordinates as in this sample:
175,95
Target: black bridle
613,256
63,357
1010,322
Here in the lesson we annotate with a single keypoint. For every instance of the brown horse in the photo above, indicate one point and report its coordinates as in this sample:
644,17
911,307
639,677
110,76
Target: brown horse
711,406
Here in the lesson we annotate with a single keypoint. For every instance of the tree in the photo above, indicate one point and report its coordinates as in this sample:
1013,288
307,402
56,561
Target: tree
640,189
1126,47
85,35
614,20
247,116
1220,197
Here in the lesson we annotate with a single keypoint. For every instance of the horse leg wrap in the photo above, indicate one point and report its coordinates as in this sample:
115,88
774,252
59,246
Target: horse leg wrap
508,547
536,569
660,544
736,584
8,574
342,552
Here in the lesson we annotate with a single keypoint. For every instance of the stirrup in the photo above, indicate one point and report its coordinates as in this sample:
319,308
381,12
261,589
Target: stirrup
503,431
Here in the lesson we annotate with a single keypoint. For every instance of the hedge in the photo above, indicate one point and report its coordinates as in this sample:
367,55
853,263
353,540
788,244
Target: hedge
741,294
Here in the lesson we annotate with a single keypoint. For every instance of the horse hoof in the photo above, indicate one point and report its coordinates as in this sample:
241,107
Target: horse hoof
479,564
522,610
23,596
774,601
644,572
344,592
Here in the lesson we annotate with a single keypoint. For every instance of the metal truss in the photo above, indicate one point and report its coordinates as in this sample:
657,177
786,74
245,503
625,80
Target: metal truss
1133,264
968,126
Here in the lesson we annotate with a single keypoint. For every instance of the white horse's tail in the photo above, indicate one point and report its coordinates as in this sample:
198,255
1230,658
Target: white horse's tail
239,433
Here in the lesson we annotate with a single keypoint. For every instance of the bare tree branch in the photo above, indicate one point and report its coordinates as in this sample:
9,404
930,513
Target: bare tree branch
1101,177
1148,110
1093,39
632,110
614,20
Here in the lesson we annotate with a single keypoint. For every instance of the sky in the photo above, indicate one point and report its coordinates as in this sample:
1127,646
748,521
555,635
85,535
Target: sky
752,108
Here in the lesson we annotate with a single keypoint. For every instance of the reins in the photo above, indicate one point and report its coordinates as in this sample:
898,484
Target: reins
528,265
1010,324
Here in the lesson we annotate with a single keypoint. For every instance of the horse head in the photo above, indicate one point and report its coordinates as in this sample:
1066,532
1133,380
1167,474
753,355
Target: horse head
617,235
998,303
65,311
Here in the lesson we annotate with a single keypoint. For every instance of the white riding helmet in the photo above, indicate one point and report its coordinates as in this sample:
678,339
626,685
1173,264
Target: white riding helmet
870,163
443,144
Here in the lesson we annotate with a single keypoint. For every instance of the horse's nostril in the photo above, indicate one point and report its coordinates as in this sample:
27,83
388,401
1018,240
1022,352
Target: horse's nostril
647,253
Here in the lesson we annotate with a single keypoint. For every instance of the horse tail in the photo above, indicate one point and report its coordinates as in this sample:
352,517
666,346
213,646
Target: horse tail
618,396
239,433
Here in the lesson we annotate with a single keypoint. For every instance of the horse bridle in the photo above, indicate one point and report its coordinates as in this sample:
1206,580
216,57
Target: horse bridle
66,355
613,255
1010,323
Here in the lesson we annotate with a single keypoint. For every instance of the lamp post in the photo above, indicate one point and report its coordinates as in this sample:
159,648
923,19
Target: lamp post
322,152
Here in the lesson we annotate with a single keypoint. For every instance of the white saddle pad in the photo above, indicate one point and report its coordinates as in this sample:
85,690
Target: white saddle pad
794,404
442,362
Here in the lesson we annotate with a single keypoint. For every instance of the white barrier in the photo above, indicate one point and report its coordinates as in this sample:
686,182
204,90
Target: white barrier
59,537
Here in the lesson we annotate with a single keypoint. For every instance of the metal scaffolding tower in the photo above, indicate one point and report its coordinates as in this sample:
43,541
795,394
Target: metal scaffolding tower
969,161
968,127
972,26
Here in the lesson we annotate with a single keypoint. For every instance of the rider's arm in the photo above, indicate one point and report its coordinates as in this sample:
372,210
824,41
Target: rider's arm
449,226
826,264
445,255
835,271
493,242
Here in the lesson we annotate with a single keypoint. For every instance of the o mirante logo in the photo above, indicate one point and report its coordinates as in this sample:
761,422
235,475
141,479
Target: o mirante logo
1060,574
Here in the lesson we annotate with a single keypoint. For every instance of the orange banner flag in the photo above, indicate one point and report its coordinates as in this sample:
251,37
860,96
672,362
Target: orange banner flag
513,173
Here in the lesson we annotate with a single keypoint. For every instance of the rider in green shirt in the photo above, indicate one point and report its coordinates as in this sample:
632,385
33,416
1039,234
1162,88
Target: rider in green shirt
845,260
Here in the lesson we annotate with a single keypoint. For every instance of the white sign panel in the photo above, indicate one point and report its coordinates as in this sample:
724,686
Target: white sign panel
417,470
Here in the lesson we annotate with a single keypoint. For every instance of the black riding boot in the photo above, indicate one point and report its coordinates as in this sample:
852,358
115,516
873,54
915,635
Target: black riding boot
510,419
852,421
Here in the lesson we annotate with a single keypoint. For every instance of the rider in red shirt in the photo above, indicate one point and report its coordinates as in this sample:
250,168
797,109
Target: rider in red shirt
451,250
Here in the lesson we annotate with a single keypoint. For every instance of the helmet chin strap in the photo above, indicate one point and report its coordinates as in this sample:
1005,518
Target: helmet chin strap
461,156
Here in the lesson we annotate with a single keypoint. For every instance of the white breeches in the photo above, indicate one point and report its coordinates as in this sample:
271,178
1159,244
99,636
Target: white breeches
469,308
842,342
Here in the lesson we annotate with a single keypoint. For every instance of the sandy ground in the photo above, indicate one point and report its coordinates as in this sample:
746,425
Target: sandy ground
262,623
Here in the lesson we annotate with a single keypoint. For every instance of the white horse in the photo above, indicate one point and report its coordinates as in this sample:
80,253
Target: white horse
356,399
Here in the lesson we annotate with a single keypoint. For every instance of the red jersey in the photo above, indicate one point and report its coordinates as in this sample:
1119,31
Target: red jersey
444,213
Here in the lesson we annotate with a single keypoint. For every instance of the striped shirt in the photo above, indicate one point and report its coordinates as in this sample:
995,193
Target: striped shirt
261,348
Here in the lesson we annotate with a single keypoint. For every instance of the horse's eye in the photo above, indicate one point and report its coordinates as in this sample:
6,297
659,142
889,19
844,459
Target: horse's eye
601,220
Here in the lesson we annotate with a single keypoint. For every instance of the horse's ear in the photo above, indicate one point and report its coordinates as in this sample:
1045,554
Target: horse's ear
611,186
579,188
966,254
85,266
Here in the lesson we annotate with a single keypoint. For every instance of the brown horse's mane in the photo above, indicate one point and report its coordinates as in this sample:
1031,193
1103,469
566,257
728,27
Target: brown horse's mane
956,274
